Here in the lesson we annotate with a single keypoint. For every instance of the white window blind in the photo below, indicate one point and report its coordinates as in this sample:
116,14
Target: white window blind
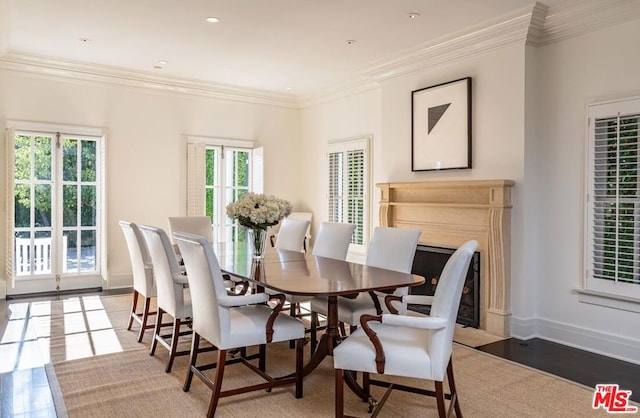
614,199
348,174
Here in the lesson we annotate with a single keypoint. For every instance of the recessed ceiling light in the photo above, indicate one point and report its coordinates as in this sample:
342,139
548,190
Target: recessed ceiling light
85,40
212,19
414,15
288,88
160,64
350,41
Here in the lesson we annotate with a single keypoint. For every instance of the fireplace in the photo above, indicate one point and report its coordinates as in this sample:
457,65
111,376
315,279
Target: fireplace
449,213
429,262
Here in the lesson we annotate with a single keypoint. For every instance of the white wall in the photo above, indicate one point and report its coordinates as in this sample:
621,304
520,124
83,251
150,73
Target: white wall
355,116
146,149
597,66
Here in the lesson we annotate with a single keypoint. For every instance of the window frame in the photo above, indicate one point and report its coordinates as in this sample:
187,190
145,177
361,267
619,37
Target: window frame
343,146
64,280
596,290
197,206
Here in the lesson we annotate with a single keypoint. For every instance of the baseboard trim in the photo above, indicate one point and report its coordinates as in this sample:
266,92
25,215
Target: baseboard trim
621,348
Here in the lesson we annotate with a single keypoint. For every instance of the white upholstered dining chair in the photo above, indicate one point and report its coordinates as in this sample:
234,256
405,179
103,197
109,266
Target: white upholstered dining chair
291,234
231,322
409,346
332,241
197,225
173,297
390,249
143,282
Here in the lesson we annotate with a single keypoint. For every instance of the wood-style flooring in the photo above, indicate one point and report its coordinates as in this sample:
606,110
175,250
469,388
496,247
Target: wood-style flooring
25,390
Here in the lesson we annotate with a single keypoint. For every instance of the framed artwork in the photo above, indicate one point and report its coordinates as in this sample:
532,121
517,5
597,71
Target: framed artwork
441,126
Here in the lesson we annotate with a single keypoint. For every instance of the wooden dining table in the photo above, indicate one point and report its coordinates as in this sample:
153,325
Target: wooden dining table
303,274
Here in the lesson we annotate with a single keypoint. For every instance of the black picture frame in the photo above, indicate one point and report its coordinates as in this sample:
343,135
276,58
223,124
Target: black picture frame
441,126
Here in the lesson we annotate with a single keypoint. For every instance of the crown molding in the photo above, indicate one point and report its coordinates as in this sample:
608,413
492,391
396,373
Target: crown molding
577,17
53,67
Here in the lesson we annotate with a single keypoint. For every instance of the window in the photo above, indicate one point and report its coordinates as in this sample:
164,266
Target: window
613,220
56,194
220,171
348,176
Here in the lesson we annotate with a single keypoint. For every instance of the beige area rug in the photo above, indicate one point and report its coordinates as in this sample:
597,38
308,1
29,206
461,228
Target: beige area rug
130,383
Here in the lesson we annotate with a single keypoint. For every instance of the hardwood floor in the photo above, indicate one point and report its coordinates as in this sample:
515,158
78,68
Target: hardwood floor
25,390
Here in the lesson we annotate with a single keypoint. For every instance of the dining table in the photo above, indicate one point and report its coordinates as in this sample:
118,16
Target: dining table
302,274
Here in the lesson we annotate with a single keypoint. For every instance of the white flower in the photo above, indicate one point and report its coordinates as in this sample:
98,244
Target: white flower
258,210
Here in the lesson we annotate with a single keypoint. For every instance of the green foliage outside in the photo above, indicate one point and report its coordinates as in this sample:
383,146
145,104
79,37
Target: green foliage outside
79,161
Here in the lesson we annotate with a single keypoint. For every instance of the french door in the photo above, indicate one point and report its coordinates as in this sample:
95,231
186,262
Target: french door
57,197
228,176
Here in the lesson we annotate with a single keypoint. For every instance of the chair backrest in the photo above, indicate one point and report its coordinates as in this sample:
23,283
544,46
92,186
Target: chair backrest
206,286
141,266
446,302
393,248
305,216
333,240
291,234
197,225
165,268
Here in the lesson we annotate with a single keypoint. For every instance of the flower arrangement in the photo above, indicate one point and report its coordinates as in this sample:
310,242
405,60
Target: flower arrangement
258,211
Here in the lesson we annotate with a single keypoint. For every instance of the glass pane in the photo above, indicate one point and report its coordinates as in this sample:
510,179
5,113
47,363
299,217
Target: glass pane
22,158
22,205
70,160
210,170
88,251
209,203
88,161
42,158
70,205
241,168
70,251
88,208
23,251
42,253
42,210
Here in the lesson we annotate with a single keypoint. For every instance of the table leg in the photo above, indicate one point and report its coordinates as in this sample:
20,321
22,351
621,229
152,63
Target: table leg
329,340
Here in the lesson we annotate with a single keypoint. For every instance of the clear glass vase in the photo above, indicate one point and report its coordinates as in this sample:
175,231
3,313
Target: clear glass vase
257,242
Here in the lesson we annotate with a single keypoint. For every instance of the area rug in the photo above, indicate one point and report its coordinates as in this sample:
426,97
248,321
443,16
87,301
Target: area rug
130,383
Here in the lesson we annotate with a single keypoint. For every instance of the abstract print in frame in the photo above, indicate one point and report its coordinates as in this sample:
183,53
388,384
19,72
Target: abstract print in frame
441,126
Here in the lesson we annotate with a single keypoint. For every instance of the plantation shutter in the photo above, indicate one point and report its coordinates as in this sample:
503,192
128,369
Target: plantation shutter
347,164
356,192
10,209
257,170
196,165
335,186
613,222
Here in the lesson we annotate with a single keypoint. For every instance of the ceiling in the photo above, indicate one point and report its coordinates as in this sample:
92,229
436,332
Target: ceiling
291,47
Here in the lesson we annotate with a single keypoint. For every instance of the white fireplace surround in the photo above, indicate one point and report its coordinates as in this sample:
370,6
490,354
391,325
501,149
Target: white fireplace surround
449,213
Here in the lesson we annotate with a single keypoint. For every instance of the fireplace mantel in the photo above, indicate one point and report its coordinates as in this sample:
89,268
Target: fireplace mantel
449,213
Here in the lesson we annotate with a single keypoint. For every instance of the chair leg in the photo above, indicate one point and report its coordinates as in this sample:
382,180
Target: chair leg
299,358
217,383
366,383
195,343
156,332
314,331
339,389
452,388
262,361
133,309
293,312
145,318
174,343
442,412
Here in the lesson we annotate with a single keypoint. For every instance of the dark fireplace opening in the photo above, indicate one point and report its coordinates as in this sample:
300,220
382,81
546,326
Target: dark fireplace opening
429,262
